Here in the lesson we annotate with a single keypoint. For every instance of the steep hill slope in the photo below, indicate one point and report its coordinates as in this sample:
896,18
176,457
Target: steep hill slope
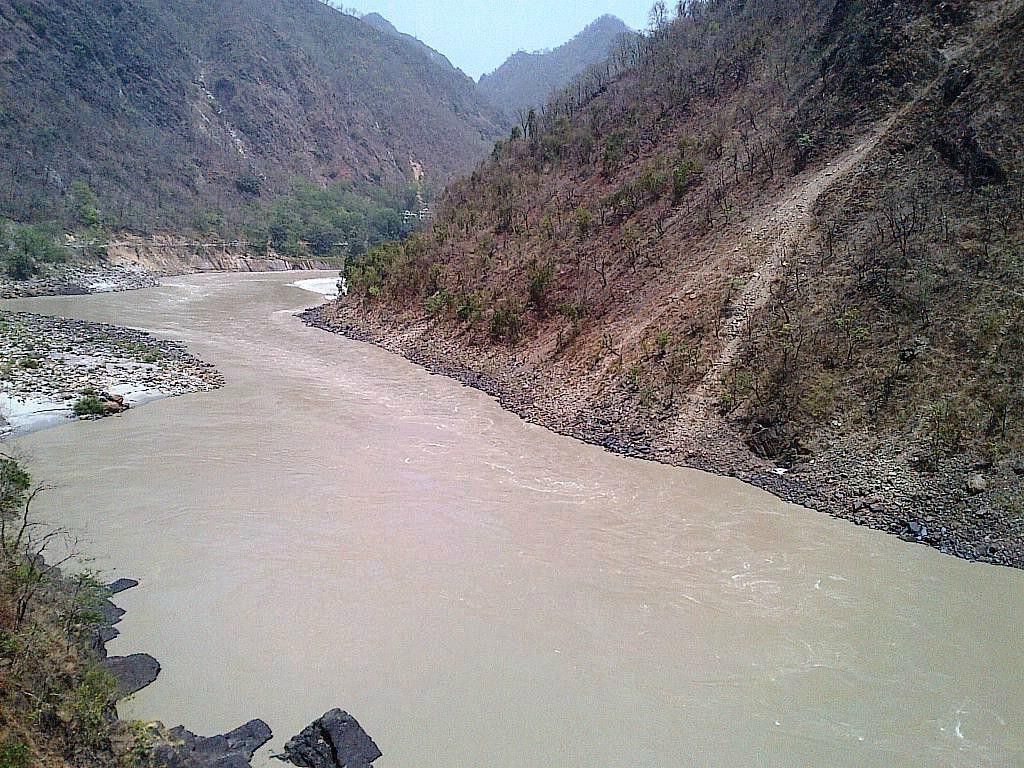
177,112
778,233
381,24
528,79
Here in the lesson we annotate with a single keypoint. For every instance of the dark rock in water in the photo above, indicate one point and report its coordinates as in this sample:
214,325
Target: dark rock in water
336,740
133,673
230,750
103,636
116,587
109,613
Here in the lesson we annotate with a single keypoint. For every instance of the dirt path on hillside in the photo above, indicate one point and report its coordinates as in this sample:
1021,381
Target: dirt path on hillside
771,234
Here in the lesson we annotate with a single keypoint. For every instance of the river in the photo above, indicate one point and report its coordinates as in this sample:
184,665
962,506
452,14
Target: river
337,527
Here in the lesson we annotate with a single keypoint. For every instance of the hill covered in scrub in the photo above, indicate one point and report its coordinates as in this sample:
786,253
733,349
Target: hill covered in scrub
378,22
768,234
190,116
528,79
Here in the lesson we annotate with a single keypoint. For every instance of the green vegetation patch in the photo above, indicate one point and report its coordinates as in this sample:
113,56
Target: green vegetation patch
89,405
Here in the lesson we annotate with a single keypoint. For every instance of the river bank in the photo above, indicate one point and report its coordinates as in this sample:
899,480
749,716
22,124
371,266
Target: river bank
59,687
50,367
75,279
966,506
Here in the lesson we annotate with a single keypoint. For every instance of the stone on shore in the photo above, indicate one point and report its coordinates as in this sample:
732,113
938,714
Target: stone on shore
976,483
132,673
335,740
121,585
230,750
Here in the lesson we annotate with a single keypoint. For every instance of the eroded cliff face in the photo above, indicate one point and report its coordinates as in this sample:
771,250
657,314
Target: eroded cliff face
177,255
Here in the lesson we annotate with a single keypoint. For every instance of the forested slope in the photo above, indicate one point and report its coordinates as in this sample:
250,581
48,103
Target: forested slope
186,115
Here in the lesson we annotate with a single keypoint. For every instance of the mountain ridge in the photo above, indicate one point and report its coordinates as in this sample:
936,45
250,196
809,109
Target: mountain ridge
381,24
220,102
526,79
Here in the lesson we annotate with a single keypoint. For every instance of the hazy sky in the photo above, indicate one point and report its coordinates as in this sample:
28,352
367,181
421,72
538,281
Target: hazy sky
478,35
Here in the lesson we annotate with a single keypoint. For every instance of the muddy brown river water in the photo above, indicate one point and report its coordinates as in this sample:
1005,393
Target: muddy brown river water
337,527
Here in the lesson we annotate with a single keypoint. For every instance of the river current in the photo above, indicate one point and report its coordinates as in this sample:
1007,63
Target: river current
338,527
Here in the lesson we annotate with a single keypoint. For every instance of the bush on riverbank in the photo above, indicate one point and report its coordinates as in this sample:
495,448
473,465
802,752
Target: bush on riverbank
56,701
89,405
25,250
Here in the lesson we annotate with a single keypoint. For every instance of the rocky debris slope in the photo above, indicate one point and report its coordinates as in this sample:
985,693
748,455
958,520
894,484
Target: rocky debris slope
54,368
335,740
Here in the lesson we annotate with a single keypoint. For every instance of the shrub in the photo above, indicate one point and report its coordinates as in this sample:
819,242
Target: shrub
30,363
470,307
89,405
614,151
249,185
681,178
14,754
87,205
438,303
583,221
573,311
541,276
507,321
90,704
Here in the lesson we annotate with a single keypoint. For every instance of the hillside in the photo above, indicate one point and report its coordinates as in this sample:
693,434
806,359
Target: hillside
381,24
528,79
779,240
188,116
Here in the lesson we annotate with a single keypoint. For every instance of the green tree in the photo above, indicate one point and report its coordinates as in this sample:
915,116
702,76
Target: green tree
87,205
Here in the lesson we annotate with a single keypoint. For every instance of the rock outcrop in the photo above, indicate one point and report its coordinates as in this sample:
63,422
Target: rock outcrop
335,740
230,750
133,673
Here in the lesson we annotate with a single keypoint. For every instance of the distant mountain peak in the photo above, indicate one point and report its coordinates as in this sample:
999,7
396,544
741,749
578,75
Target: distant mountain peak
528,78
381,24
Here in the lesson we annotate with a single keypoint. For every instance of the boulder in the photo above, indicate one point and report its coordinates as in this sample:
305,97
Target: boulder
976,483
109,613
335,740
112,406
133,673
121,585
103,636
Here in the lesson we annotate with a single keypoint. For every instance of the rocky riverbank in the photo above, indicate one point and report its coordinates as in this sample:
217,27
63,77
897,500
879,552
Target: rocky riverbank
77,279
52,369
963,506
59,687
